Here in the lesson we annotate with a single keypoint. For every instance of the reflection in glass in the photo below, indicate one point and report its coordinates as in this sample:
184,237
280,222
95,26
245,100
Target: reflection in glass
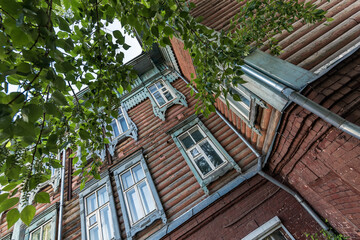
168,96
159,98
146,195
134,205
46,232
197,135
123,124
203,165
91,203
36,235
94,233
138,173
92,220
103,196
127,180
105,223
211,153
194,152
186,140
115,129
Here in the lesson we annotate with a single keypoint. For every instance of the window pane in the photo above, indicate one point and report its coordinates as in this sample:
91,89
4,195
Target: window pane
105,223
152,88
120,112
159,98
127,180
36,235
203,165
103,196
211,153
194,152
91,203
115,129
123,124
134,205
159,85
94,233
196,134
138,173
147,198
186,140
168,95
47,232
92,220
277,235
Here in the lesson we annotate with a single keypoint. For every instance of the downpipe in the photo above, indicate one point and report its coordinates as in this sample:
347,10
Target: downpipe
61,209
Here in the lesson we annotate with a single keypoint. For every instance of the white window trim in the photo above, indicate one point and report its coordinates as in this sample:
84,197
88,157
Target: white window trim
160,111
159,213
90,187
41,231
266,229
161,93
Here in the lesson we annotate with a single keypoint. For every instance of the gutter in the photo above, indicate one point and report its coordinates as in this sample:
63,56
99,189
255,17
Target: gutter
303,101
61,209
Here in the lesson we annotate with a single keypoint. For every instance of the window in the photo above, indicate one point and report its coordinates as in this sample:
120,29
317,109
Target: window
122,127
140,203
271,230
201,151
97,210
42,233
98,216
42,227
206,158
162,95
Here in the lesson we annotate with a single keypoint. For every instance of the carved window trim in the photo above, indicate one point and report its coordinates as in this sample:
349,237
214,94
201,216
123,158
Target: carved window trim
88,189
218,172
160,111
159,213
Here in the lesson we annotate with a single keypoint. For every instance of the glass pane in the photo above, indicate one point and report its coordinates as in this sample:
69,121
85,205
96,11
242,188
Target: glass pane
152,88
159,85
94,233
194,152
36,235
168,96
115,129
123,124
134,205
138,173
186,141
127,180
120,112
203,165
148,201
159,98
103,196
196,134
92,220
47,231
211,153
105,223
91,203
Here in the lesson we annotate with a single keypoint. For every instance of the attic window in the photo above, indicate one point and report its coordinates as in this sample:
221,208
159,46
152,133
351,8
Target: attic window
161,93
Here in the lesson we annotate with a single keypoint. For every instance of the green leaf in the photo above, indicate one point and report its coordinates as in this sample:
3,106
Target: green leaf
168,31
12,217
8,203
27,214
13,172
63,24
42,197
9,187
3,197
59,98
32,112
84,134
89,76
51,109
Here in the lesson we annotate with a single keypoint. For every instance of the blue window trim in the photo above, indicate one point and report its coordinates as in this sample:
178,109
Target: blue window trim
131,132
186,125
50,214
179,98
148,220
89,188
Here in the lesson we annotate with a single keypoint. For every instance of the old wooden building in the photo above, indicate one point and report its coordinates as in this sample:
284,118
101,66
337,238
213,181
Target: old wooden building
264,169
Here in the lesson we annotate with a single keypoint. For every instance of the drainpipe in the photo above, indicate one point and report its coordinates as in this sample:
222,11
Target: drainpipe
263,174
306,103
298,198
61,209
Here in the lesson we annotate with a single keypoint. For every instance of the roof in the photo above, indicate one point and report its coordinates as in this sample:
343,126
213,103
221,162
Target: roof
308,46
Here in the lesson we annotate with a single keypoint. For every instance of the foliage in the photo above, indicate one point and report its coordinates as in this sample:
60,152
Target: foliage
327,235
49,47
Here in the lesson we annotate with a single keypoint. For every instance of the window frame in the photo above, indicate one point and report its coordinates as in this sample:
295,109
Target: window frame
178,98
130,132
161,93
89,188
189,124
41,230
159,213
43,218
267,229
